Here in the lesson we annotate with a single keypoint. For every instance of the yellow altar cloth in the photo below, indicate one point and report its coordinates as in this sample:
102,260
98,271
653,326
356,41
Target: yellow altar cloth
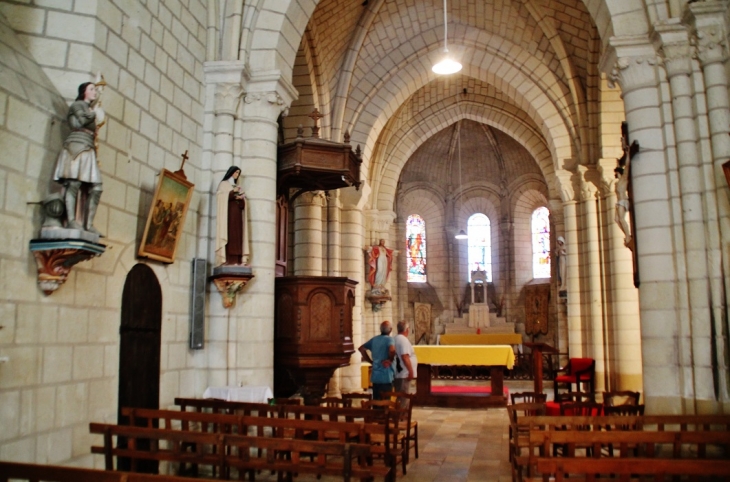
487,339
492,355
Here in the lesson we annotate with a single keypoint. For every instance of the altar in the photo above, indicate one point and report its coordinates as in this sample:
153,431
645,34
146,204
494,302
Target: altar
497,357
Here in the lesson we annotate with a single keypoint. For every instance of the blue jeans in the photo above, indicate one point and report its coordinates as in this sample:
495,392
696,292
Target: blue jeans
380,388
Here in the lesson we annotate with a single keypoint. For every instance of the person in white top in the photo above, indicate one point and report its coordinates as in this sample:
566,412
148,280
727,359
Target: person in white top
406,361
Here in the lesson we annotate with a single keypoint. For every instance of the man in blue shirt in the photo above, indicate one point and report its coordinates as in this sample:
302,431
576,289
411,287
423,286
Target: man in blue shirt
382,349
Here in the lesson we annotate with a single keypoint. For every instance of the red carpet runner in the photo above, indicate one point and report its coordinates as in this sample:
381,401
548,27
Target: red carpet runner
465,390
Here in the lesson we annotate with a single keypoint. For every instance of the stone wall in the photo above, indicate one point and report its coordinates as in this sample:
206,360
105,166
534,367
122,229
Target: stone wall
63,350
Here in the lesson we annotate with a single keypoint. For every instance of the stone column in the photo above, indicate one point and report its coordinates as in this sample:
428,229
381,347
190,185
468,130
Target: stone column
266,97
709,30
594,326
308,234
334,235
353,266
225,91
557,214
677,63
571,341
623,336
632,63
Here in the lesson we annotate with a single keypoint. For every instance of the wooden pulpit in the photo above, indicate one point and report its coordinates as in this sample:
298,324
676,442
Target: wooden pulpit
313,333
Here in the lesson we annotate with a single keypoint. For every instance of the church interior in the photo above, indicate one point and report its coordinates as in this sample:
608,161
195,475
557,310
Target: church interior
569,184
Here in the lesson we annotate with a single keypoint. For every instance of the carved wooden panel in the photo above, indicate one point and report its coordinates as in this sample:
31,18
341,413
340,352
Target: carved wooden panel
321,317
537,298
423,321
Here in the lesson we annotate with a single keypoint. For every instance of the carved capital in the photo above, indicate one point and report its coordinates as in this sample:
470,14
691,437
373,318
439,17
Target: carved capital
564,185
588,178
631,63
227,98
673,44
268,94
709,34
607,176
380,221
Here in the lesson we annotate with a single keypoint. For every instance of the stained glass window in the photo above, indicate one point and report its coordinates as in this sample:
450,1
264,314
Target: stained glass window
541,243
479,231
416,248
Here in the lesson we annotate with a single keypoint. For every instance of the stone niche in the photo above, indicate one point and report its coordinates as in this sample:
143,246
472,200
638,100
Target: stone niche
313,333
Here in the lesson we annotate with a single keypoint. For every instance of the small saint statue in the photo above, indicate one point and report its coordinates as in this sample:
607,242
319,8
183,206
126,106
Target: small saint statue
231,243
380,261
562,258
77,168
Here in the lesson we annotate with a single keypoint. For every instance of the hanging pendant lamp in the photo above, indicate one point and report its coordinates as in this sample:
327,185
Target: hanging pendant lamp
447,65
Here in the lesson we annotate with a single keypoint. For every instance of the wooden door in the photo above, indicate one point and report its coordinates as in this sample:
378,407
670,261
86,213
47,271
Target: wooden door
139,348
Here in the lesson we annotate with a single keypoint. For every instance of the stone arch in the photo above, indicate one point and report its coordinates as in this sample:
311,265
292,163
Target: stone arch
537,91
384,189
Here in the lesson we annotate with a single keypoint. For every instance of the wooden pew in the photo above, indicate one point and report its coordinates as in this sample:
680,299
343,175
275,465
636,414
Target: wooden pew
57,473
381,425
625,468
390,450
583,425
222,452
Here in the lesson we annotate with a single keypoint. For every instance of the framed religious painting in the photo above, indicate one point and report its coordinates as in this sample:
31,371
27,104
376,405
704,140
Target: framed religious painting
166,217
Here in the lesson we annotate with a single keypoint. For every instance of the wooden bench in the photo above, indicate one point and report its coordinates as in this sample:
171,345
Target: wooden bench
627,469
57,473
582,426
223,452
389,448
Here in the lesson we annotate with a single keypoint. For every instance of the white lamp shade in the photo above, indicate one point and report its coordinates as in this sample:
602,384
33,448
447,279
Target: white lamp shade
461,235
446,66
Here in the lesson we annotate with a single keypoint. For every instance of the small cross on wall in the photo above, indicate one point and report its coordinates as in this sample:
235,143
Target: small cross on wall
316,116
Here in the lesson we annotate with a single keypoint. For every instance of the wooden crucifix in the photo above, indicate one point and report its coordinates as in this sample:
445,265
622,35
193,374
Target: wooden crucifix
316,116
625,196
181,172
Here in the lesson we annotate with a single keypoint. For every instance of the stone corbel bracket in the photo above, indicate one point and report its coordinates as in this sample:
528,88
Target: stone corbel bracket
378,298
230,280
55,258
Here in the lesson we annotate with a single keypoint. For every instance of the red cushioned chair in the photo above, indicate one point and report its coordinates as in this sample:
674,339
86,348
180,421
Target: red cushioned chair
578,371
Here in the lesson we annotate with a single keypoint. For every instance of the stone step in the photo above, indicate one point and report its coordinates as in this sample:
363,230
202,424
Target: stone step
462,328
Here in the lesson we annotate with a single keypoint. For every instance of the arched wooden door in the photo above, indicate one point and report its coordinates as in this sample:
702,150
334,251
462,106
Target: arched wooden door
139,348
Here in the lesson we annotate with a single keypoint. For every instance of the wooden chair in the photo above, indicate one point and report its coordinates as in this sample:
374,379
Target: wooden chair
528,397
388,446
624,410
520,438
384,404
357,398
619,397
589,409
578,372
336,402
410,427
285,401
574,397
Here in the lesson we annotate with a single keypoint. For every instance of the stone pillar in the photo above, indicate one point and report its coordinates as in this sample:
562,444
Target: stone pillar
353,266
571,342
308,234
265,98
709,30
677,63
623,341
224,99
591,247
632,63
558,229
334,235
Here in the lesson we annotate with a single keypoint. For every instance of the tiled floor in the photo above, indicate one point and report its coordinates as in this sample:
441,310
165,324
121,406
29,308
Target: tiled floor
454,444
460,445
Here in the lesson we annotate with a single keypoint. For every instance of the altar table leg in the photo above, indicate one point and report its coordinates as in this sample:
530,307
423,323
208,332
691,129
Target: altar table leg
497,373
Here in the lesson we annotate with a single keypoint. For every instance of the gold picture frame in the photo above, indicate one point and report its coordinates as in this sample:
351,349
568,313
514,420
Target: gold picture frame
166,217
